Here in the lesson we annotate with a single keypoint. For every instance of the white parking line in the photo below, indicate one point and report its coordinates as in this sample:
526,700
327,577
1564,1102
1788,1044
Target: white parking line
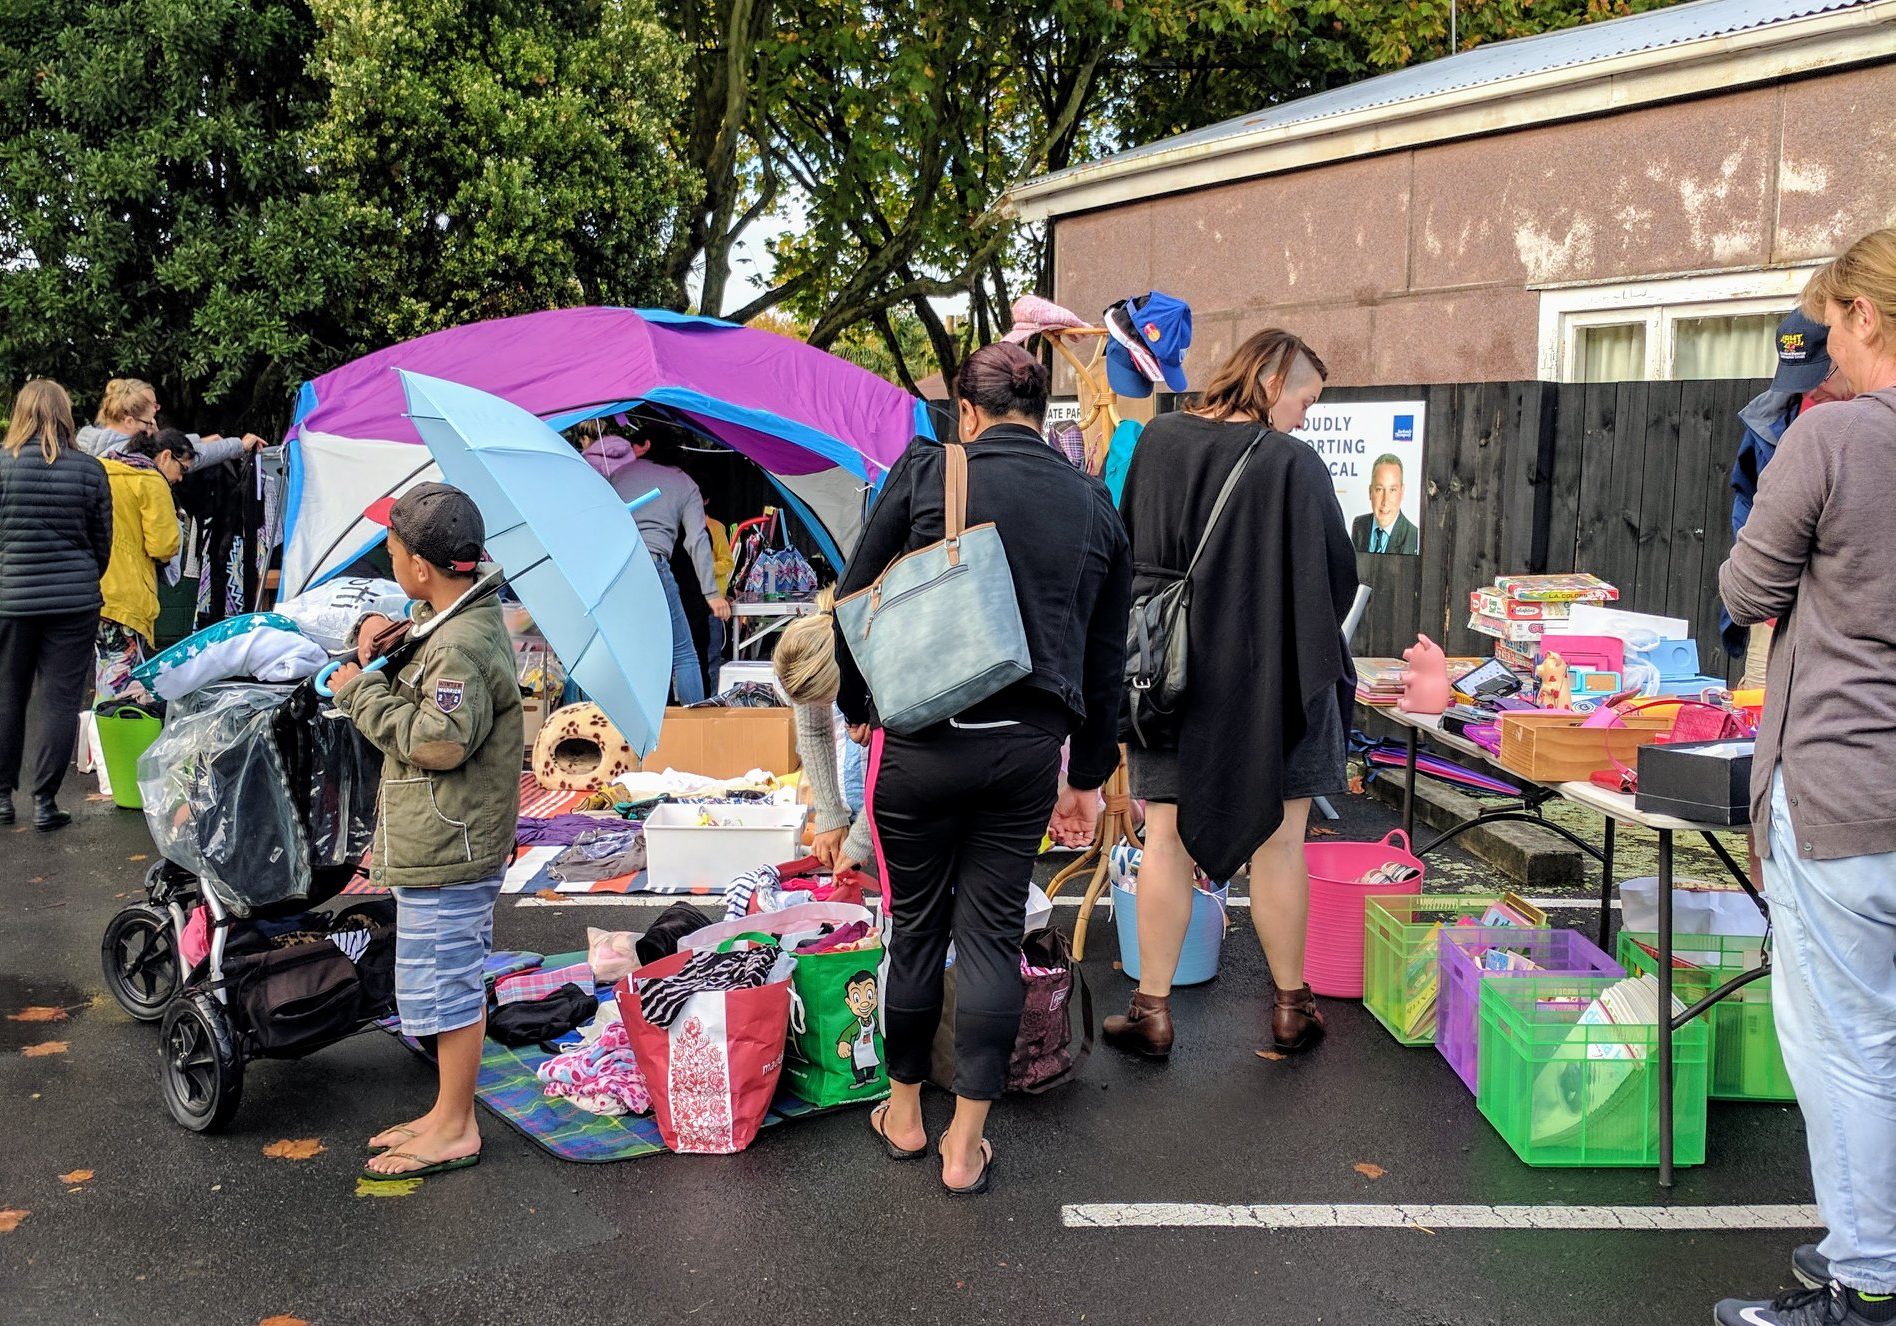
1211,1215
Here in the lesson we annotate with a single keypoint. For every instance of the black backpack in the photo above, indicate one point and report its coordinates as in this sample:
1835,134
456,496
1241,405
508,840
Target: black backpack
1157,633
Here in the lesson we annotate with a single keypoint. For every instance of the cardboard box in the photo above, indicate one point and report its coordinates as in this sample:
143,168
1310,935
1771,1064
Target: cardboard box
1708,782
726,743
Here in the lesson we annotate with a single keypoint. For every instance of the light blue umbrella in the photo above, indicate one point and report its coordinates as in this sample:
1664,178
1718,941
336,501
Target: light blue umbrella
569,546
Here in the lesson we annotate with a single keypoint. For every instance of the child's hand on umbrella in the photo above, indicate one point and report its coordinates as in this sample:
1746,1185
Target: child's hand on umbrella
343,675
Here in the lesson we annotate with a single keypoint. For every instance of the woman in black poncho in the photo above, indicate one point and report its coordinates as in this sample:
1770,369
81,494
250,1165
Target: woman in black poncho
1263,723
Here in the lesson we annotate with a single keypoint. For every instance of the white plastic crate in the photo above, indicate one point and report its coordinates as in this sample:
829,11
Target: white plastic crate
681,853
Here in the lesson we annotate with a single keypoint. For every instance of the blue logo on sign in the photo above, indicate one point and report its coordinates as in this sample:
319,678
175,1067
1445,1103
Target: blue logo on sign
1405,428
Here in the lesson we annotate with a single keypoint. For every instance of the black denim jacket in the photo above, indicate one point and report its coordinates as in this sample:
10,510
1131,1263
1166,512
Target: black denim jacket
1072,567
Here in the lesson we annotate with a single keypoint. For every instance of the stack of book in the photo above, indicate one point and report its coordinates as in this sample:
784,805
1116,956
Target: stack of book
1581,1089
1379,680
1517,610
1422,979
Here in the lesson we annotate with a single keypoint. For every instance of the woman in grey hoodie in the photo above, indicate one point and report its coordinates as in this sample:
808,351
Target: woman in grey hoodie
129,409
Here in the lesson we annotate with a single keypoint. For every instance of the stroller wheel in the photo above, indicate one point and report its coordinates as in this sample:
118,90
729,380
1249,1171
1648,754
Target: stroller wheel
139,959
203,1072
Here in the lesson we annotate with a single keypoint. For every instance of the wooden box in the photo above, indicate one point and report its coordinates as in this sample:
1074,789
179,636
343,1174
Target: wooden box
1554,748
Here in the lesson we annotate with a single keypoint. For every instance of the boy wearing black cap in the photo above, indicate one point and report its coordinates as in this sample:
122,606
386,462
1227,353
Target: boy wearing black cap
448,725
1805,377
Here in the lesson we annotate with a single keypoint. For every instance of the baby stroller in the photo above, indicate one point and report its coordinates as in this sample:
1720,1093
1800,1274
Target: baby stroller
262,804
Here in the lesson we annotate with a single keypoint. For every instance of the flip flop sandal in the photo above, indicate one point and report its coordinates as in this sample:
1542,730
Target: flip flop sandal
877,1116
406,1134
980,1184
429,1168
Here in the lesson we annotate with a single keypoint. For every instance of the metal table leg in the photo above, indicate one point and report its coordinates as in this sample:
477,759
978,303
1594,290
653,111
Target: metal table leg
1606,881
1408,787
1665,1008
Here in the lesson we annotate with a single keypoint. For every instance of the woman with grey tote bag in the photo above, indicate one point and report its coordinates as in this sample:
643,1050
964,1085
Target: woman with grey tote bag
959,806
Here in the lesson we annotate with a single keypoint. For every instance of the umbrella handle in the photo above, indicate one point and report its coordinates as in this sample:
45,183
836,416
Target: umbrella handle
643,499
329,670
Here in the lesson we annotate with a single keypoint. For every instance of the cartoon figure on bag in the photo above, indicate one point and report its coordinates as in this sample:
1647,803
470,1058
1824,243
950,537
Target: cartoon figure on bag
859,1045
1556,685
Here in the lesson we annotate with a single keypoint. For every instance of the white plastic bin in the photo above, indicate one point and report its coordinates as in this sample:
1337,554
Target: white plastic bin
682,854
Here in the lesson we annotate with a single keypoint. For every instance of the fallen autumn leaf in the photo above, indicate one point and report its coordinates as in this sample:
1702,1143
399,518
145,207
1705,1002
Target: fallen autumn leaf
45,1048
386,1187
294,1148
1272,1055
77,1176
38,1013
283,1319
10,1220
1368,1170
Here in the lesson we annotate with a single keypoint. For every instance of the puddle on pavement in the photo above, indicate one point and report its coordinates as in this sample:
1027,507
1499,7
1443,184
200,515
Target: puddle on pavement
30,1010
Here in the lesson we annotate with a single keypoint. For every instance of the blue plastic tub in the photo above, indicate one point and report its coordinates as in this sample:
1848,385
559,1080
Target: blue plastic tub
1204,938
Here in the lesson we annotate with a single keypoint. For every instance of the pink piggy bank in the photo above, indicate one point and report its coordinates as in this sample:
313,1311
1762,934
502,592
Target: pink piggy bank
1425,688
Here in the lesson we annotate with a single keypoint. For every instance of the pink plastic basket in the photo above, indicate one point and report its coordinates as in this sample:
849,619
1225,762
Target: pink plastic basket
1333,959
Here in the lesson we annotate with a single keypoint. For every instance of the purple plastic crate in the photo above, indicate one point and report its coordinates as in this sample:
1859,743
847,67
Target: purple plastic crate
1562,952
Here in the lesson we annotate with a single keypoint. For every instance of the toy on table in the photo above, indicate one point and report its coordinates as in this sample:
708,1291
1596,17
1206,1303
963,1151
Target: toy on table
1556,684
1425,688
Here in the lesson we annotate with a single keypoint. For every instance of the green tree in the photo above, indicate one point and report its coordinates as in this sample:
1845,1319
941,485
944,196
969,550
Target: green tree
153,216
495,157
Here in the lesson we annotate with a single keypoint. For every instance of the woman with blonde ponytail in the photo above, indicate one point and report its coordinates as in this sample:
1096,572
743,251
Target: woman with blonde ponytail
806,667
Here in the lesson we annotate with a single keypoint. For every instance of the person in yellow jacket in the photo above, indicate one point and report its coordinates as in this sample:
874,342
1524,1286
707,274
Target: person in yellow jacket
145,536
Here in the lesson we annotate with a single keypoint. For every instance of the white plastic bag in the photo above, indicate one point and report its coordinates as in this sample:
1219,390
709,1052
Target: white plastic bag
1698,908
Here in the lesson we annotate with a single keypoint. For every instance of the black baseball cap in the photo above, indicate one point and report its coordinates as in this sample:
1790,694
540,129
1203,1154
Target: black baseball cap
1803,354
437,522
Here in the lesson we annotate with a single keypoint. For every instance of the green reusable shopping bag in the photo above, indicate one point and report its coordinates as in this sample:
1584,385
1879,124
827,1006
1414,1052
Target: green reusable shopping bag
834,1055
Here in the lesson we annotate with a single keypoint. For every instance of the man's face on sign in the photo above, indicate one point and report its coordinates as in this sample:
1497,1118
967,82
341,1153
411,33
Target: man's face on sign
1385,494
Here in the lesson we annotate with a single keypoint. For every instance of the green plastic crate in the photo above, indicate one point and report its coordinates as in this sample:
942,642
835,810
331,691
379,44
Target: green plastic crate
1545,1083
1746,1061
1401,963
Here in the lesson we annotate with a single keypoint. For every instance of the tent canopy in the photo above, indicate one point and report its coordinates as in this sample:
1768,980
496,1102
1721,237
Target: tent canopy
820,427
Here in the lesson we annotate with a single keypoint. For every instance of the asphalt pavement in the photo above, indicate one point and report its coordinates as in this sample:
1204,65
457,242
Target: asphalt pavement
129,1218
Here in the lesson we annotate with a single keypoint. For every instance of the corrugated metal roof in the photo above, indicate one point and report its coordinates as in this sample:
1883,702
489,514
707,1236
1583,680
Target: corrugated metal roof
1496,63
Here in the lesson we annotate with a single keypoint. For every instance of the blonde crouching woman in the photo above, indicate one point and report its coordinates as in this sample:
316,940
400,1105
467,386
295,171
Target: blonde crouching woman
805,663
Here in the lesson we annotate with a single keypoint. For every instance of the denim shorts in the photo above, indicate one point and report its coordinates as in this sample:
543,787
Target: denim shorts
442,939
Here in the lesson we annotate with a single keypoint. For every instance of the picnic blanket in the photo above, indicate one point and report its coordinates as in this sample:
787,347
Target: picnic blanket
509,1087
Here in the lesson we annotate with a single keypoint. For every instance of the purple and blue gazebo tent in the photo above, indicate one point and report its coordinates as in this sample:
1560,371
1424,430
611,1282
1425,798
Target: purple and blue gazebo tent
820,428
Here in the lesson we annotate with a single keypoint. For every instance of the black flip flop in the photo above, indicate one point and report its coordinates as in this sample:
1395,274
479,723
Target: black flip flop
881,1112
980,1184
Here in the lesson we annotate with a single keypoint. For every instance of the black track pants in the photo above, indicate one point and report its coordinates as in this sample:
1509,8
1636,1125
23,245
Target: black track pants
959,814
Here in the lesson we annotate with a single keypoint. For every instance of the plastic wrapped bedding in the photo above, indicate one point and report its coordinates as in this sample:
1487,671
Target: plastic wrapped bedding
251,788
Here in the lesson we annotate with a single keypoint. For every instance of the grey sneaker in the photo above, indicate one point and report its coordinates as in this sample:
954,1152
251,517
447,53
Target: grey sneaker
1833,1306
1810,1266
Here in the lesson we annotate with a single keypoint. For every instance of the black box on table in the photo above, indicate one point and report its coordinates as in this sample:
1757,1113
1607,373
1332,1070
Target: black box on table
1708,782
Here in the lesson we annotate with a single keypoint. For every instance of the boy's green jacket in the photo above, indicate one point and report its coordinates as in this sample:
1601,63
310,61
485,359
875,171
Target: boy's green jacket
449,728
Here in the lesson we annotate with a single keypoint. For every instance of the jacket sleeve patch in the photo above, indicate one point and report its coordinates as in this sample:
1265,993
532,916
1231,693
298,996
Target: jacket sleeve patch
448,694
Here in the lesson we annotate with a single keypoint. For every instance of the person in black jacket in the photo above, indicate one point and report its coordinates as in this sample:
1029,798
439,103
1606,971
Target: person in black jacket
1262,726
55,543
959,809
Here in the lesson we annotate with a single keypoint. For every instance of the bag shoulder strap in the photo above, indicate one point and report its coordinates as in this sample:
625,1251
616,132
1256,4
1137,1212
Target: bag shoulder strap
1224,498
955,503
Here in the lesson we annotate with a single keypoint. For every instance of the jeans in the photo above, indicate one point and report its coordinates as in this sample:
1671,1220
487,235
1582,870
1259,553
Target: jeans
50,659
1833,992
687,672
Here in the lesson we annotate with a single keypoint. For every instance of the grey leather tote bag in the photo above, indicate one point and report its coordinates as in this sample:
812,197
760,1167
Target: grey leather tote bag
940,628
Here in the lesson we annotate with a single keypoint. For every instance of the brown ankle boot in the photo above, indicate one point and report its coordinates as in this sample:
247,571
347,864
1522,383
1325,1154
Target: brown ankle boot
1145,1029
1295,1022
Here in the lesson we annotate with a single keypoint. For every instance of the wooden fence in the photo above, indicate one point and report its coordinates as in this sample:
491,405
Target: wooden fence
1628,480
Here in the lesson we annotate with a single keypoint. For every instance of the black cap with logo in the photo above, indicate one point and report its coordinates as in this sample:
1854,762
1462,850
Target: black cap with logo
1803,354
437,522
